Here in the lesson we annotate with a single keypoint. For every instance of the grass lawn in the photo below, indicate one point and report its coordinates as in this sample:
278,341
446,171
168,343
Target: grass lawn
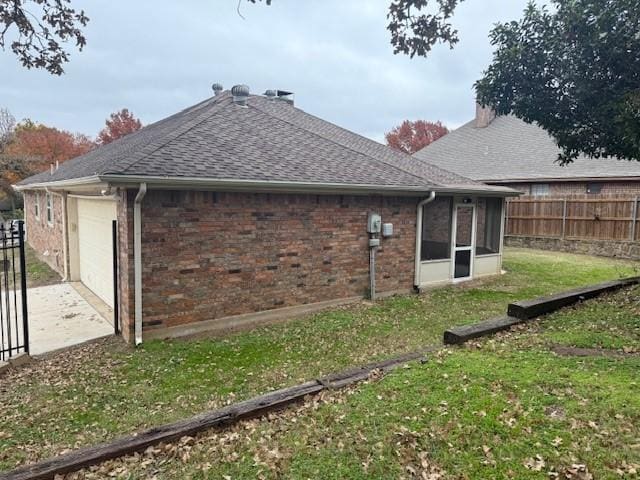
106,389
506,407
38,272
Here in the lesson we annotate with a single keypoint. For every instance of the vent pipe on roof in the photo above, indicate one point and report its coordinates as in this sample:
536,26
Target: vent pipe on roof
217,88
240,94
270,94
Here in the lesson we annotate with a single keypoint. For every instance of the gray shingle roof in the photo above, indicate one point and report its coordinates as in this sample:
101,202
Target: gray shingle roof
270,140
510,149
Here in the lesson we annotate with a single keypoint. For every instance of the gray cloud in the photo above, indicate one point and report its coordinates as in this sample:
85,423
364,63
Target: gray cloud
156,58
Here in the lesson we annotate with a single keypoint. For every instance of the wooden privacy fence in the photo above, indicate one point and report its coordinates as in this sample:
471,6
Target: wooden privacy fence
605,218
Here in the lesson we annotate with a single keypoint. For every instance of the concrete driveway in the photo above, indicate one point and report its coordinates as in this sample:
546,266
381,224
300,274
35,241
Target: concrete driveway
60,317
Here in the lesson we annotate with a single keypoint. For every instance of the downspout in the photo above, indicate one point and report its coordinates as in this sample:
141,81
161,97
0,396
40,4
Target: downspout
137,261
429,199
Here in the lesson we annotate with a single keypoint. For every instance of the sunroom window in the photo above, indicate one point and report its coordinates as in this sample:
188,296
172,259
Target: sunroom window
436,230
488,225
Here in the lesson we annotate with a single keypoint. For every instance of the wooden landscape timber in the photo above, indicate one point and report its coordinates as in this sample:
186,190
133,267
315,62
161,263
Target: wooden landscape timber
255,407
528,309
519,312
459,335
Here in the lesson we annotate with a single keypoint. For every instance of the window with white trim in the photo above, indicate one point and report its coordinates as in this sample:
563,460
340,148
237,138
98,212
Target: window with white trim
49,209
539,189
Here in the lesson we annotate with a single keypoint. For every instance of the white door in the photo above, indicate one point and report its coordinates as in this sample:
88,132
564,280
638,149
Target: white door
463,245
95,246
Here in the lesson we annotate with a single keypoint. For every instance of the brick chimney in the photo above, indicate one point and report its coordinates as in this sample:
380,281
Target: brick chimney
484,116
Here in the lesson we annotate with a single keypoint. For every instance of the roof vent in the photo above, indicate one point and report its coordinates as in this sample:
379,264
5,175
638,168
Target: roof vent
271,94
240,94
217,88
285,96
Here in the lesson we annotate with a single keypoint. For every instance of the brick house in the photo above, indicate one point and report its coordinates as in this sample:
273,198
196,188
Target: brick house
506,151
244,209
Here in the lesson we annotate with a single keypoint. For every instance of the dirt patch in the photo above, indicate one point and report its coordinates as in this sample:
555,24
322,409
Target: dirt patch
565,351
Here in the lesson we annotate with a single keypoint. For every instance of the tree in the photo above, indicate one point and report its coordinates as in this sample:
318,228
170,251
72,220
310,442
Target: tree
41,27
118,125
575,71
410,137
41,146
7,126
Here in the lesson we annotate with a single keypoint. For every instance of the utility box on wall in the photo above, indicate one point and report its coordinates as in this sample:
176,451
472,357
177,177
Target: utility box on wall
374,223
387,229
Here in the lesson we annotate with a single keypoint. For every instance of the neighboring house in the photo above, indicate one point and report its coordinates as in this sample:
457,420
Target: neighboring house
244,204
507,151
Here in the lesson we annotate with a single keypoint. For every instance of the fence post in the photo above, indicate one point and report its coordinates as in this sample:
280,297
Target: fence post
506,217
23,286
634,219
564,217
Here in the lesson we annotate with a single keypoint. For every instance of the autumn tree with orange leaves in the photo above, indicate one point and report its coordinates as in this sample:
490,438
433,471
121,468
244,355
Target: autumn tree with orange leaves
118,125
410,136
40,145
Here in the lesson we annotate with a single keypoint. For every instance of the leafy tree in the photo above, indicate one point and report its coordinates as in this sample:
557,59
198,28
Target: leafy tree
410,137
118,125
41,146
40,27
574,70
7,126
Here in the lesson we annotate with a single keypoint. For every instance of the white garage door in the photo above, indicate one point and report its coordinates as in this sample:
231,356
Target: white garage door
95,244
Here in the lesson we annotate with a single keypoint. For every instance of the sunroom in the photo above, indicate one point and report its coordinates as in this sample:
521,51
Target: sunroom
459,239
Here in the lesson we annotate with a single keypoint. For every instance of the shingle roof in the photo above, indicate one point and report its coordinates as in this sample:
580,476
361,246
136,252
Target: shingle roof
510,149
269,140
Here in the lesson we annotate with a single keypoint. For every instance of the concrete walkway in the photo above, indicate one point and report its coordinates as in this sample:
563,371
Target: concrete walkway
60,317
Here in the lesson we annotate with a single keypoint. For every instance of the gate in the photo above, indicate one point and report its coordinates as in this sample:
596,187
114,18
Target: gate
14,323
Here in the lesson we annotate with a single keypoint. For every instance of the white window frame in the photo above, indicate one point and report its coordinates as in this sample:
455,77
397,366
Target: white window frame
36,209
540,189
49,208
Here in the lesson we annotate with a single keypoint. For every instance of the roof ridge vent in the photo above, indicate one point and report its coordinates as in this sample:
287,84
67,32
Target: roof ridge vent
240,94
217,88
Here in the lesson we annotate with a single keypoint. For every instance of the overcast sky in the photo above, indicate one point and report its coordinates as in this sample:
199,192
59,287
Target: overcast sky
158,57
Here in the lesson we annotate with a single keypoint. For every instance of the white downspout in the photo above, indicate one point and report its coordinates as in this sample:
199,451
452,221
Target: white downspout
430,198
137,261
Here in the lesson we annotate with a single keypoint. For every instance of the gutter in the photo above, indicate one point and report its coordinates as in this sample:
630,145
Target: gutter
419,210
268,186
137,261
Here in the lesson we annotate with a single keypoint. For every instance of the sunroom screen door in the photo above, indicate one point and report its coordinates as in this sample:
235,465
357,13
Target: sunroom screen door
463,245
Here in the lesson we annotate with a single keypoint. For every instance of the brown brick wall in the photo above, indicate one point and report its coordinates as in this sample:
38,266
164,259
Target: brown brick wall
209,255
46,239
125,263
580,188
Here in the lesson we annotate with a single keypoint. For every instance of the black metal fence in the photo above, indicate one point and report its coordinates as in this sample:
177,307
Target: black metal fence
14,323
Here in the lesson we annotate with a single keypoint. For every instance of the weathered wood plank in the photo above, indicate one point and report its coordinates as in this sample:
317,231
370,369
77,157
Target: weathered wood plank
254,407
127,445
527,309
459,335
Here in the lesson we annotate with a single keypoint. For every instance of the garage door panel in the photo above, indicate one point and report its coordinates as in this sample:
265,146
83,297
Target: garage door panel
95,246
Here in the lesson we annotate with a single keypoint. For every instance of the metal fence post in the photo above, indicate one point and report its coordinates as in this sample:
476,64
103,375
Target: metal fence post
23,285
116,307
634,219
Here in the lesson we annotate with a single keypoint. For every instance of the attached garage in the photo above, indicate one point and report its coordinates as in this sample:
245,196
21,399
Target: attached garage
95,246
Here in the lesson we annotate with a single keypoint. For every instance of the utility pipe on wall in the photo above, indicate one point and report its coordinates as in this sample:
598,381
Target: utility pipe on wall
137,261
429,199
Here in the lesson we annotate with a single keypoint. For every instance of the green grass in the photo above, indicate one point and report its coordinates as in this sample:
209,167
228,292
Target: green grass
501,408
107,389
38,272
